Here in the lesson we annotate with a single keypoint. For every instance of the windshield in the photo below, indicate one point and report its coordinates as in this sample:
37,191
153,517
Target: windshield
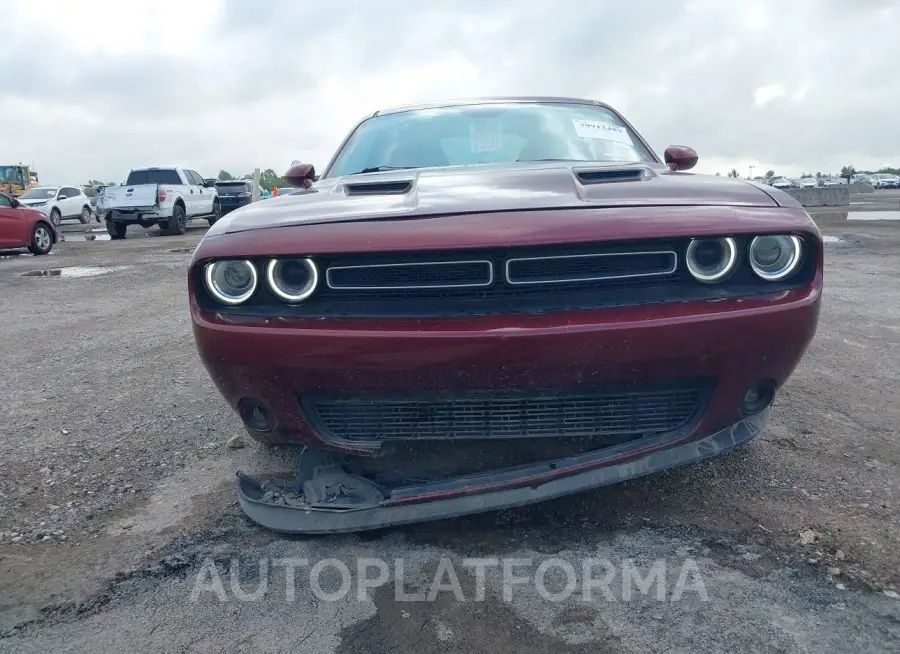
39,194
489,134
156,176
233,187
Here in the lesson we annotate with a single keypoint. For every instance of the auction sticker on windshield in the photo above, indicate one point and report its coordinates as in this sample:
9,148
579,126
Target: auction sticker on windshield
485,136
596,129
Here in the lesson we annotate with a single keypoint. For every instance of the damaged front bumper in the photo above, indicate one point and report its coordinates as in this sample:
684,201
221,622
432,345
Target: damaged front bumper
325,498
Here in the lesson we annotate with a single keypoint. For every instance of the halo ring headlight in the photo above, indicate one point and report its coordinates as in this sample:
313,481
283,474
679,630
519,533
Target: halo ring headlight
292,280
711,260
776,256
231,281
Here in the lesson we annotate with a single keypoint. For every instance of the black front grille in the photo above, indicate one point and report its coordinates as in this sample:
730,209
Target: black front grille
590,267
624,411
371,285
421,275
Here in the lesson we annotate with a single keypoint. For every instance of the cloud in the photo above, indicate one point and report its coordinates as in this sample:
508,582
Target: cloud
231,84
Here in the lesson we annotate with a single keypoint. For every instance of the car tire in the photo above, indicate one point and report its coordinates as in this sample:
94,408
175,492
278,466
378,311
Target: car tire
216,214
178,222
116,231
55,217
41,239
85,216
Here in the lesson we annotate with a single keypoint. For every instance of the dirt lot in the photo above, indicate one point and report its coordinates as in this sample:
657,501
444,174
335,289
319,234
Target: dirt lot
116,487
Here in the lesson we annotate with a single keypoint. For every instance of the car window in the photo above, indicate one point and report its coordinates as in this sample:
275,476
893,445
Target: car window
490,134
5,201
233,187
153,176
71,192
194,177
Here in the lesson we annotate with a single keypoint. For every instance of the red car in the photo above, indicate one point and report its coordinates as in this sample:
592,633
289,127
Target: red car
21,227
483,304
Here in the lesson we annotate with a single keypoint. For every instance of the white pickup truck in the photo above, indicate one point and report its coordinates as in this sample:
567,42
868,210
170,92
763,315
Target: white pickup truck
167,197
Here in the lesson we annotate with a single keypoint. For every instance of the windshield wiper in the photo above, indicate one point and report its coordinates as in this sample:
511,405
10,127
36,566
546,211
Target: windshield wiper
379,169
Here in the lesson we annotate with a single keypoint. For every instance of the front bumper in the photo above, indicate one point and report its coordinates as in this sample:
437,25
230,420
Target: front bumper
735,343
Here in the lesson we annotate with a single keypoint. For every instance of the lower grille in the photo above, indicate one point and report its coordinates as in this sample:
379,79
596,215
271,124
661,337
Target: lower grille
629,411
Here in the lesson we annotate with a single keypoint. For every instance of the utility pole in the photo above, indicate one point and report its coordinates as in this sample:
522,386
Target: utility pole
751,171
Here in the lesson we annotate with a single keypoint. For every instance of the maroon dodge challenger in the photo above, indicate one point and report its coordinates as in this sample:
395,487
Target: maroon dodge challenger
487,303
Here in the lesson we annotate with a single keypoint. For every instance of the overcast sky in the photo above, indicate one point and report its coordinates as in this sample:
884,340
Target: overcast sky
94,88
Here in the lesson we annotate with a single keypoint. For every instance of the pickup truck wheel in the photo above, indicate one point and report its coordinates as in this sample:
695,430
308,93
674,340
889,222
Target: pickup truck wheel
55,217
178,222
85,216
116,230
216,213
41,239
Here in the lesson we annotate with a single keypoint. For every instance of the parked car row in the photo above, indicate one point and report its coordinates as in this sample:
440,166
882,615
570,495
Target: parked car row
803,182
170,197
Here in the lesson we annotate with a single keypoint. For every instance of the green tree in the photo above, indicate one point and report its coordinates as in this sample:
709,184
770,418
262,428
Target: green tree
848,171
268,179
734,173
225,176
770,174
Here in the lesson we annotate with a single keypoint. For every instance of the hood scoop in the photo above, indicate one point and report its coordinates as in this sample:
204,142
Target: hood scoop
613,175
378,188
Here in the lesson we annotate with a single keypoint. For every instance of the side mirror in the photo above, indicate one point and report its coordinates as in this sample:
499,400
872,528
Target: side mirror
301,175
680,157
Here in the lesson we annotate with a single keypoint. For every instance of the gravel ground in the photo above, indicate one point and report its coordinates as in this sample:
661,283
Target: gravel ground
117,499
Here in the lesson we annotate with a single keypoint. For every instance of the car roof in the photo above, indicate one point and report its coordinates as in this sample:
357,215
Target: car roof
523,99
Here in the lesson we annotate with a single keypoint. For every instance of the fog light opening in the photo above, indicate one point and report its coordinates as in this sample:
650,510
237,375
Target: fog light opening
758,397
255,415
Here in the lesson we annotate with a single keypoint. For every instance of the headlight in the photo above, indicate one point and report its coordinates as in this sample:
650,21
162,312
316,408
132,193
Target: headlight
775,257
231,282
711,260
293,280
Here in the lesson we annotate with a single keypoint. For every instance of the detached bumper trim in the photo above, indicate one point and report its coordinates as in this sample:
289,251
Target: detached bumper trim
532,485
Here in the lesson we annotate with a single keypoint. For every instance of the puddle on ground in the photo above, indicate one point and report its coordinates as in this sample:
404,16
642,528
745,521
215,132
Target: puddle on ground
182,250
831,239
74,271
97,237
873,215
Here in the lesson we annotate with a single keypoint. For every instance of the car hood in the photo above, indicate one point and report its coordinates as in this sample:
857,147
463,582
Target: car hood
32,201
406,194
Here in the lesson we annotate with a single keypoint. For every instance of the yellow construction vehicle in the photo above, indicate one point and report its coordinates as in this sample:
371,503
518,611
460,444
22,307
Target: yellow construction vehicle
17,179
